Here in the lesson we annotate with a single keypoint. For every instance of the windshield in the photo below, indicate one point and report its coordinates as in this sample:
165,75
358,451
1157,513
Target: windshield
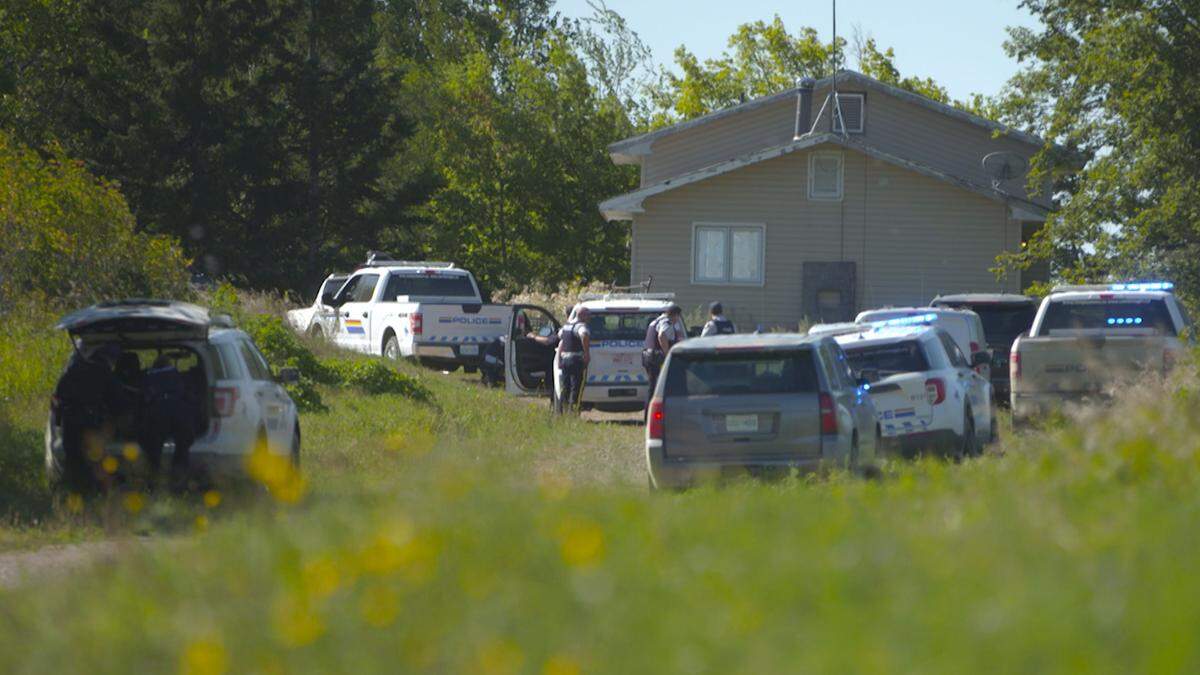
742,374
620,325
889,359
1108,315
1003,323
430,285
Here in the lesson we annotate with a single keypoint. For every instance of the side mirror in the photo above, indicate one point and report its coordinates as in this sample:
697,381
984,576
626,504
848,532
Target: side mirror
328,299
288,376
981,359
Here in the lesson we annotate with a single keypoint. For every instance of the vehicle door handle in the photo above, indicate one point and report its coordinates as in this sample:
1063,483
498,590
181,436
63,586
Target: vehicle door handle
364,315
346,315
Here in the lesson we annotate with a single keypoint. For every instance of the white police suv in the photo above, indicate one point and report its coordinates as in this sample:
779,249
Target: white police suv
928,395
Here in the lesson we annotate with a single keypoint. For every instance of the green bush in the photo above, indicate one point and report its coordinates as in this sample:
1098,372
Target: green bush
69,238
283,348
375,377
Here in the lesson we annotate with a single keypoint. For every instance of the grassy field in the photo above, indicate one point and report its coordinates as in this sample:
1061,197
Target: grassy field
474,533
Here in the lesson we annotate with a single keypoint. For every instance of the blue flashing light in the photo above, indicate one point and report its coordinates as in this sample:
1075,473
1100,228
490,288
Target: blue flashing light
1125,321
1138,321
917,320
1143,286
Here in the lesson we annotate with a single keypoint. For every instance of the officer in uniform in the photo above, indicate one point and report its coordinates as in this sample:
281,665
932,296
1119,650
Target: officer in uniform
574,352
717,324
662,334
166,413
86,392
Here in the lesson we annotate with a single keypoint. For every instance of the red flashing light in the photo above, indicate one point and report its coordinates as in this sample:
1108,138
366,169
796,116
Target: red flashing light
654,421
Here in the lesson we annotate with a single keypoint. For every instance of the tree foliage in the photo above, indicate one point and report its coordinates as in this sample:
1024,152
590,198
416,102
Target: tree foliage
68,239
1111,83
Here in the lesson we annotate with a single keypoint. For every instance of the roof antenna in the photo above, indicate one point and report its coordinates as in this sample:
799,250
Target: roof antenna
836,112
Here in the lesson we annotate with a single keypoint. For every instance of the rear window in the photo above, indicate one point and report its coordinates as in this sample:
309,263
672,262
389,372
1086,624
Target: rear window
1108,315
742,374
1002,324
620,325
890,359
432,285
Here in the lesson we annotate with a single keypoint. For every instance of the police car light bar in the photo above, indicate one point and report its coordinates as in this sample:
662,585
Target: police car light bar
916,320
1134,286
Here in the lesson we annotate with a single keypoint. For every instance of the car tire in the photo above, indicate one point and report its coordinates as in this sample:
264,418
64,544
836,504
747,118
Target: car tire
296,446
470,370
968,445
391,348
316,333
852,463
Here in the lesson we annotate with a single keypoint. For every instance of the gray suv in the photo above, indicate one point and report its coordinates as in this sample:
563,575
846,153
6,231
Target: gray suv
757,403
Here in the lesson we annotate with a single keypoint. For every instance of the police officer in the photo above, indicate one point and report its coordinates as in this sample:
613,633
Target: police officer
166,413
574,352
717,323
86,393
662,334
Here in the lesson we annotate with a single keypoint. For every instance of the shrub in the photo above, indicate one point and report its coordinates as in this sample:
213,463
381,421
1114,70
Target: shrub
375,377
69,238
283,348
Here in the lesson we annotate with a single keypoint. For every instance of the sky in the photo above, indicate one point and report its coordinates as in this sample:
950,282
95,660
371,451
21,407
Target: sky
959,43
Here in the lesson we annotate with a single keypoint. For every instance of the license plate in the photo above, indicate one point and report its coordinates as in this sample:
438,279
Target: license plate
469,350
741,423
622,393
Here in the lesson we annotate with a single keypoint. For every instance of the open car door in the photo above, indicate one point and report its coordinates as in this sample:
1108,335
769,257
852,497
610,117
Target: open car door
529,350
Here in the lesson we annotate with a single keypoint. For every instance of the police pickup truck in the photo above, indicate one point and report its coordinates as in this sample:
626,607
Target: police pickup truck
428,311
1087,340
319,319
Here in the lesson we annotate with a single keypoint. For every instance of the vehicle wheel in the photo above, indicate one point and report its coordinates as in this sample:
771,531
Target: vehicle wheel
969,444
470,370
316,333
391,348
853,463
296,446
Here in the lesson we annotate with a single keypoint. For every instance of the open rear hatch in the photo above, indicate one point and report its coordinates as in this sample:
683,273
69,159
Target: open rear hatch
137,320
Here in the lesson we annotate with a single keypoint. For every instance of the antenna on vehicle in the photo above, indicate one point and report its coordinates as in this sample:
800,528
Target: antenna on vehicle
1004,166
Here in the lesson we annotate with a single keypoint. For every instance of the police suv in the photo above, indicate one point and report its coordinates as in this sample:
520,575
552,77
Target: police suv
928,394
237,402
429,311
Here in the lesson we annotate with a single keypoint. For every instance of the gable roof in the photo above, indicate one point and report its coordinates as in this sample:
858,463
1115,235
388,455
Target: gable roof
624,206
627,150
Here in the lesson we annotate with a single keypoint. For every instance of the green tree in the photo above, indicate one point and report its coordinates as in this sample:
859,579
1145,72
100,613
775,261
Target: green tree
1110,83
68,239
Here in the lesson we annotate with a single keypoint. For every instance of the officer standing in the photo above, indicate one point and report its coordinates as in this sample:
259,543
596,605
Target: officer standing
166,415
86,393
717,323
574,352
662,334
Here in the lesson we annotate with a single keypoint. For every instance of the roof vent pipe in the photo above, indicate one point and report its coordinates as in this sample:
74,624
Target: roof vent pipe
804,95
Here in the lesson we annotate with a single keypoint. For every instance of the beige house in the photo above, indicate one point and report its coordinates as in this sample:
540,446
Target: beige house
776,210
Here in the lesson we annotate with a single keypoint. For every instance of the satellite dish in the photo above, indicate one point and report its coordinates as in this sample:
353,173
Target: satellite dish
1004,166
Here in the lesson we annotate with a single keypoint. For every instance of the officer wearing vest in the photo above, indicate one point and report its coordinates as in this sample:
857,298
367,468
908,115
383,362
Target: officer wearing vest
662,334
87,393
717,324
574,353
165,414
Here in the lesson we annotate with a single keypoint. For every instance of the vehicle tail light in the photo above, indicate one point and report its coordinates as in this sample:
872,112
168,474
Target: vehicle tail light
416,323
829,423
935,390
1014,366
224,401
975,348
654,420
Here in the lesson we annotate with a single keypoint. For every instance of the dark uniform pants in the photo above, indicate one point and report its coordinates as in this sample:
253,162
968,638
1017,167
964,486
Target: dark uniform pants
79,428
652,361
572,367
160,422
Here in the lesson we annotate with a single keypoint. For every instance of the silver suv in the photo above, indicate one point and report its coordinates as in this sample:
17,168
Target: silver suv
240,404
756,403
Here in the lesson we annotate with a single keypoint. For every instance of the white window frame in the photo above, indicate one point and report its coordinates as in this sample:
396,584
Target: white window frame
841,176
862,115
729,228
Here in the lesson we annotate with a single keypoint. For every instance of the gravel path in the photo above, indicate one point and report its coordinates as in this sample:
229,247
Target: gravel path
18,567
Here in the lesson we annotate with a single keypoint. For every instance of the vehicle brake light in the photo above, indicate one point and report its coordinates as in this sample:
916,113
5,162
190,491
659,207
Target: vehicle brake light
829,423
654,420
224,401
975,347
935,390
1014,366
416,323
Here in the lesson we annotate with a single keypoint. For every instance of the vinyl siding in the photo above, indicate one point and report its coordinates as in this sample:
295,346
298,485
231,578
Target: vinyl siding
910,236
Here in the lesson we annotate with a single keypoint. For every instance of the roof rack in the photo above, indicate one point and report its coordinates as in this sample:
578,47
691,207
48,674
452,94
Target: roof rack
381,259
617,295
1136,286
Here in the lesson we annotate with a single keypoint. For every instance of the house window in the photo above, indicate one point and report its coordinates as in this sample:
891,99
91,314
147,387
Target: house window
853,112
825,175
727,254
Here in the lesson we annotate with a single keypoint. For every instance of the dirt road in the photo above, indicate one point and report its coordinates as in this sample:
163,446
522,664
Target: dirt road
18,567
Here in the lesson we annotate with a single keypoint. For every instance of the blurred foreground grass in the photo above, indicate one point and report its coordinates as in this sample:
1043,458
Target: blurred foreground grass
473,533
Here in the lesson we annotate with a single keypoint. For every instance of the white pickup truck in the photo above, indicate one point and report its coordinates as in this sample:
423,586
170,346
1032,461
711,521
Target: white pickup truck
431,312
320,318
1087,340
